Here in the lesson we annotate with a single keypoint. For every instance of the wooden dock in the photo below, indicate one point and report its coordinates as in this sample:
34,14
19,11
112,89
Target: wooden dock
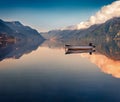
72,49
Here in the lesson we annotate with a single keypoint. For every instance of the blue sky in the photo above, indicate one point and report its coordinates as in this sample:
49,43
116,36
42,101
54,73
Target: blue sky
45,15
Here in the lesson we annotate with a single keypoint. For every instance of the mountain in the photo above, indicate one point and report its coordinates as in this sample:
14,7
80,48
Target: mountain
19,31
4,28
108,30
26,30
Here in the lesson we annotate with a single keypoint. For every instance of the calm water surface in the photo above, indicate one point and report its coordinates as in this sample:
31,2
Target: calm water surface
48,75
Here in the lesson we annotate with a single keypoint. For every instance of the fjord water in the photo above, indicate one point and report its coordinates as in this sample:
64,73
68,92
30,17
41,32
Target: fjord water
48,75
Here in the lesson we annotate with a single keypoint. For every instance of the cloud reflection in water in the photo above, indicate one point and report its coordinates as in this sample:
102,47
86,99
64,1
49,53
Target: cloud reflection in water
107,65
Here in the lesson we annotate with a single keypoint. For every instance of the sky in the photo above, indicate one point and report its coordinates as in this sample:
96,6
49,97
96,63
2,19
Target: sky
45,15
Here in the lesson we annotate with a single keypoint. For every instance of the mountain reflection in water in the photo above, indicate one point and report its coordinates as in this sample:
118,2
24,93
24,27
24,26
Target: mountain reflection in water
18,49
106,57
48,75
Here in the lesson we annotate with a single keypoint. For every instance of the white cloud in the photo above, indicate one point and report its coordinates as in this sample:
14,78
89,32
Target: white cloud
106,13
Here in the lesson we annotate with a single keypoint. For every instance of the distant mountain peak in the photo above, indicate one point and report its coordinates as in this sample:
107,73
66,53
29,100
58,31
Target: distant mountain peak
18,30
17,23
1,21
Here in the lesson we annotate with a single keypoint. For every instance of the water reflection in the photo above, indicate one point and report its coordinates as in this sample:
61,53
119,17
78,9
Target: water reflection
17,49
106,57
111,49
48,75
79,51
107,65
